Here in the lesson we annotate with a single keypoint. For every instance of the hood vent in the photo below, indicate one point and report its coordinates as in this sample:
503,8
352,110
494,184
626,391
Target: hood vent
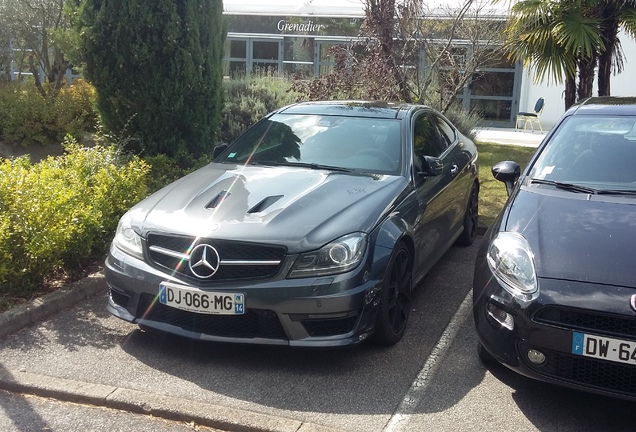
218,199
264,204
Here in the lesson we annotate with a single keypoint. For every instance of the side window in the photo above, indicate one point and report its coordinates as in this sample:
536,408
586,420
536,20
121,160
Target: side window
446,131
427,140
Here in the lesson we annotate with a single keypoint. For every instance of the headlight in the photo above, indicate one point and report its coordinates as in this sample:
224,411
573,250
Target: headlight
126,239
512,262
338,256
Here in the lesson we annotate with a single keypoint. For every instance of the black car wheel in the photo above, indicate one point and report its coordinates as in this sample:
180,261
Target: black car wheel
395,302
470,218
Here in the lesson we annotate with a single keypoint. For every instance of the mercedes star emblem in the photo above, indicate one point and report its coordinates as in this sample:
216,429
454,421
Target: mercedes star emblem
204,261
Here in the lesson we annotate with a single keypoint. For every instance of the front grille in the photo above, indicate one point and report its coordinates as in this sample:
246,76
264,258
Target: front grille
252,324
614,325
227,249
599,374
329,327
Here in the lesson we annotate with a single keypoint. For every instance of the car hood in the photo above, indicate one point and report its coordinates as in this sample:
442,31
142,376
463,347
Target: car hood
300,208
578,237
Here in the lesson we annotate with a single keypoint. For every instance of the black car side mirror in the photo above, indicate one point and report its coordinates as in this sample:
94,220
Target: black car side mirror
218,149
507,172
431,167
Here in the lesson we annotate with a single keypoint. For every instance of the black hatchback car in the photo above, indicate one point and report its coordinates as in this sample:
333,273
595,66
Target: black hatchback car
310,230
555,278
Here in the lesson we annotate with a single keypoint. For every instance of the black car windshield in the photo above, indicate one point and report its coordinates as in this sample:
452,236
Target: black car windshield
349,143
597,152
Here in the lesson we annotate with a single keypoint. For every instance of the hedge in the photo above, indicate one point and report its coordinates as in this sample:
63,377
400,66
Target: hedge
60,211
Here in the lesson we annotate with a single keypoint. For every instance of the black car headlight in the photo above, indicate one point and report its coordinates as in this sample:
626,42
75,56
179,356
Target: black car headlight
338,256
512,262
127,239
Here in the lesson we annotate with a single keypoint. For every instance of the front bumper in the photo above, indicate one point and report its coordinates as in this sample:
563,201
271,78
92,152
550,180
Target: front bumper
328,311
547,324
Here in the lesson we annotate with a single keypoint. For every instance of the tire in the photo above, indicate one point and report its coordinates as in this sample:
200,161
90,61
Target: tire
471,218
395,299
485,357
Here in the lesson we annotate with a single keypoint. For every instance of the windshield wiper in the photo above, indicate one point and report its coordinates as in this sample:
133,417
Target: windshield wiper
566,186
617,192
302,165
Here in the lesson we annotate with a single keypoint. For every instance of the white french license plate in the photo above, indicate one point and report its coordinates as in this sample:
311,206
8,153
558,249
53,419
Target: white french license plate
616,350
191,300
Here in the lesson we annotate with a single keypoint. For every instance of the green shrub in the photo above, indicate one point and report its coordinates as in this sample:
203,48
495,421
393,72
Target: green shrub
25,114
61,210
74,110
27,118
160,86
248,99
466,122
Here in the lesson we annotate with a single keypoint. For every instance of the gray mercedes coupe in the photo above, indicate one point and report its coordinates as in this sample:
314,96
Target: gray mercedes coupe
310,230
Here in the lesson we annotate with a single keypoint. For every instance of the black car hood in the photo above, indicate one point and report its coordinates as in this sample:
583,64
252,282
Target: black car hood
578,237
300,208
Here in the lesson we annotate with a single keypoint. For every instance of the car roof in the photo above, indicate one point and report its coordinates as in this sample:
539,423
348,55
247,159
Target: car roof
606,105
352,108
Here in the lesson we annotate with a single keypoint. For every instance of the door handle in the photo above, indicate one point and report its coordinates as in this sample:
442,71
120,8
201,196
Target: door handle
454,170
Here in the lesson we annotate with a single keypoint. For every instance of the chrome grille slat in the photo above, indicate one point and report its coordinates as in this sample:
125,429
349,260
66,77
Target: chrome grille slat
238,260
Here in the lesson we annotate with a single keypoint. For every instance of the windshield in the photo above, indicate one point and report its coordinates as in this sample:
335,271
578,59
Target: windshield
594,151
356,143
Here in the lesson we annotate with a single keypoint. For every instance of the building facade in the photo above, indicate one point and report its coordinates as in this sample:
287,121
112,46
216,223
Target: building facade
294,36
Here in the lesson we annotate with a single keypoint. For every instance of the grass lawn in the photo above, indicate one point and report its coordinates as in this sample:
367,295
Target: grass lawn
492,195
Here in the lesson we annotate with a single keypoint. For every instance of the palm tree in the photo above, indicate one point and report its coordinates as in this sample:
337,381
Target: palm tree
613,16
559,39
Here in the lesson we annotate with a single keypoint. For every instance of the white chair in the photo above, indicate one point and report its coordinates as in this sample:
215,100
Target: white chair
531,117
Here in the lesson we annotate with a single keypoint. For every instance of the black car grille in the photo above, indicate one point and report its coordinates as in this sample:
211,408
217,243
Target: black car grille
614,325
599,374
227,250
252,324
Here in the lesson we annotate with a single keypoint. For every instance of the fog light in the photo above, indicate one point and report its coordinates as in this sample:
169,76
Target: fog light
501,316
536,357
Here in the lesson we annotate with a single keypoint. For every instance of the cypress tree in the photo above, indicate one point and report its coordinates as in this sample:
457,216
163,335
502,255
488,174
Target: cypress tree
157,69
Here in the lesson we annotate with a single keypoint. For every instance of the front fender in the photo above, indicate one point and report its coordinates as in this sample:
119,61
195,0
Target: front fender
388,235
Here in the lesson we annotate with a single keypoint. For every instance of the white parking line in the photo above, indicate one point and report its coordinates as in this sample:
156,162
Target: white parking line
414,396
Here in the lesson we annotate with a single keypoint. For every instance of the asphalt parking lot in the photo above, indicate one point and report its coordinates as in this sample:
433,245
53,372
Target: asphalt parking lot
431,380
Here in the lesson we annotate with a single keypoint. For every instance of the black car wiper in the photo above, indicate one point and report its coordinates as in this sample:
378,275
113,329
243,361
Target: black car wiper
302,165
566,186
617,192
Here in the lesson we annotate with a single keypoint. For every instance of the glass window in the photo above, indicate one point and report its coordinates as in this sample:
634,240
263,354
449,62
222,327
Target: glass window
426,138
499,60
299,49
366,144
446,131
491,109
264,50
596,151
237,48
235,68
493,84
303,70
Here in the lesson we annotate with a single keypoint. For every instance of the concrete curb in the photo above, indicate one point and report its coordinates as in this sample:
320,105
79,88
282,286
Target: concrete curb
167,407
41,308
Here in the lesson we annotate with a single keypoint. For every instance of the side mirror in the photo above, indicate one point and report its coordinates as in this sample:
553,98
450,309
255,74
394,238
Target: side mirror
431,167
220,148
507,172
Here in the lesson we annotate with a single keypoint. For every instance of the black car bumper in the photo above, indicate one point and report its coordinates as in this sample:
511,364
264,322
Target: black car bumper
307,312
552,325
